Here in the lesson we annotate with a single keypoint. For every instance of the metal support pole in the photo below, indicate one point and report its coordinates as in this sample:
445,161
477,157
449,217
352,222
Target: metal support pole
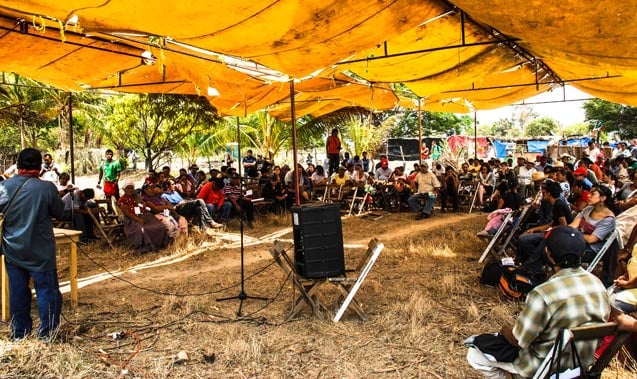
71,143
297,187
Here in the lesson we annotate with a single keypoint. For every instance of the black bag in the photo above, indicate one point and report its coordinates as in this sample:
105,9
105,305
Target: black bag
516,282
495,345
491,273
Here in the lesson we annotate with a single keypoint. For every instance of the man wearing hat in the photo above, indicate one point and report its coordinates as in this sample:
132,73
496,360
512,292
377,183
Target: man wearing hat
383,172
28,245
572,297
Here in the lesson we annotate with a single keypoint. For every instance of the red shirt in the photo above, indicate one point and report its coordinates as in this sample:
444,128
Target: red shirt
210,195
333,144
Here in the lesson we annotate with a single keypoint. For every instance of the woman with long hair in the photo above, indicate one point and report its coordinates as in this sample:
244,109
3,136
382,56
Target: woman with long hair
486,179
596,222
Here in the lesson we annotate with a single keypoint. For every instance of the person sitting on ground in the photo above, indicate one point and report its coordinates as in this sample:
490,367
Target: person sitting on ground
449,190
76,210
191,209
532,242
145,232
596,222
572,297
164,211
212,195
383,172
425,186
234,199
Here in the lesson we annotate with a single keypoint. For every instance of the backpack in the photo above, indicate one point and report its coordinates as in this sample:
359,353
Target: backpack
516,282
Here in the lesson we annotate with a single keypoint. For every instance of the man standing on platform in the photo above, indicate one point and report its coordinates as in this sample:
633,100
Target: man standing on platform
333,148
28,245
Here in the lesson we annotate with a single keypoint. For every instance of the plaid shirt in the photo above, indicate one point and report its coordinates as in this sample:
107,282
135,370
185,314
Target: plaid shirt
570,298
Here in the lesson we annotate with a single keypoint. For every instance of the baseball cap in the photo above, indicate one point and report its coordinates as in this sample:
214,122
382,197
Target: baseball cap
563,241
581,171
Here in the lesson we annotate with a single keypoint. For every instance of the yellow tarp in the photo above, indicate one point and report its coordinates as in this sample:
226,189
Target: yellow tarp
460,65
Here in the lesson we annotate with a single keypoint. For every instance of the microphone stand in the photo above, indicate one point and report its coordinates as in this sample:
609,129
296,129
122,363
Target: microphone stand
242,293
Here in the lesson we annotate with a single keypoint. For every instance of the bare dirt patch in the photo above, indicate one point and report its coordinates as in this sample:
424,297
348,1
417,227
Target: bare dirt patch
161,318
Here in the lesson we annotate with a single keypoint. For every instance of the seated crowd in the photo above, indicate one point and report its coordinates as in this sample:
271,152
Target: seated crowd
575,212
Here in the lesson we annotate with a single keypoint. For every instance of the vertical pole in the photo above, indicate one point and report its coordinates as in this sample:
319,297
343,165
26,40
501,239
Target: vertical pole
71,144
297,188
475,135
419,132
239,163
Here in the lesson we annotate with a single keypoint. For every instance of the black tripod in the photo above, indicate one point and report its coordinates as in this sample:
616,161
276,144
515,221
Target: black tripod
242,294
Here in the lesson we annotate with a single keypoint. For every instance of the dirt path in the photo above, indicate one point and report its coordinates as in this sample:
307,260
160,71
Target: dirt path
220,252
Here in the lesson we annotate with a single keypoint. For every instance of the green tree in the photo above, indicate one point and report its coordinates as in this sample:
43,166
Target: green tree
433,123
23,105
155,124
543,126
612,116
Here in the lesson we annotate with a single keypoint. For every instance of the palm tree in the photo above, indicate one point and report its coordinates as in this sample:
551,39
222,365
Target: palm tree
23,105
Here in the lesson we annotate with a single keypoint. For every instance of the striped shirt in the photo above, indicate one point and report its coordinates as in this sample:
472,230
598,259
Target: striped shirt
570,298
231,192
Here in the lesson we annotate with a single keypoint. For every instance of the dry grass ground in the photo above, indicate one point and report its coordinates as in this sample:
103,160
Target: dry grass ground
162,320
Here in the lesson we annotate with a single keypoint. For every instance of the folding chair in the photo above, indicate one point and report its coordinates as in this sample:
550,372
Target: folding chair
359,199
348,286
585,333
514,228
495,238
614,236
109,227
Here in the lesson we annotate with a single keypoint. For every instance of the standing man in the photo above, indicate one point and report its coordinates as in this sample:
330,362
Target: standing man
28,245
570,298
110,170
333,148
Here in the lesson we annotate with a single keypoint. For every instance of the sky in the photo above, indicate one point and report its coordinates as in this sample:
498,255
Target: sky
564,112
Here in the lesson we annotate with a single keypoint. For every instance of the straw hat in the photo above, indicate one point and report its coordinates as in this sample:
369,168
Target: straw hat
538,176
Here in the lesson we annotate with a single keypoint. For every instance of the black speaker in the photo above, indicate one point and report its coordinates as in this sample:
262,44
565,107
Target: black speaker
318,241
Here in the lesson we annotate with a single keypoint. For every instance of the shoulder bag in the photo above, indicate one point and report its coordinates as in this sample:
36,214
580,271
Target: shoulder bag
7,208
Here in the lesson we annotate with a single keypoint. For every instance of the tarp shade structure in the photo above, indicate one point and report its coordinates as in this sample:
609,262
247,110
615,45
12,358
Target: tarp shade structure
294,37
577,39
495,54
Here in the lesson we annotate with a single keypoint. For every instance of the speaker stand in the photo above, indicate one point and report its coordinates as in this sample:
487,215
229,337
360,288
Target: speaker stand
242,293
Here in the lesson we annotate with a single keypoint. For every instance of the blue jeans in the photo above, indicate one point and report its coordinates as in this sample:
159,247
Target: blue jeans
415,205
48,296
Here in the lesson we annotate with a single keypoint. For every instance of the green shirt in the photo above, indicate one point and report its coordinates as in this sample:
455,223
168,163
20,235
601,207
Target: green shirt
110,170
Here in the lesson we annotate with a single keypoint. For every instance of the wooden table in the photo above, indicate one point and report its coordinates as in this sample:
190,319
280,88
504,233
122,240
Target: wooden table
62,237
